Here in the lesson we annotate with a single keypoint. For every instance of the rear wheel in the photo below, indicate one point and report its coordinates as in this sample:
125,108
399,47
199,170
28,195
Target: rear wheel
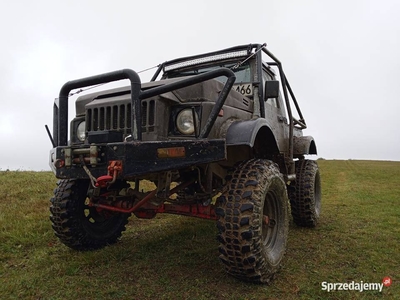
305,194
78,225
253,221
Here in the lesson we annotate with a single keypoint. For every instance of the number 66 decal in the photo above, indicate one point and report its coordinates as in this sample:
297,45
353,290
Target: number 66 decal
244,89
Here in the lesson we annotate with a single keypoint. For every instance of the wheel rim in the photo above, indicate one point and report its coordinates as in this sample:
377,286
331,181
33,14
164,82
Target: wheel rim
270,225
91,215
97,222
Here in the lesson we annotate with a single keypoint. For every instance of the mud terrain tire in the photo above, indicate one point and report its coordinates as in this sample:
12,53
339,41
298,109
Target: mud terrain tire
305,194
79,226
253,221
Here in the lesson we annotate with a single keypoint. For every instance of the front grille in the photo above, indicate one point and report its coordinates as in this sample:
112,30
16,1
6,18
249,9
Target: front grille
118,117
148,115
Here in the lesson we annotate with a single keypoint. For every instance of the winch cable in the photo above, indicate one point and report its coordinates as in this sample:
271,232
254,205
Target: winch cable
93,179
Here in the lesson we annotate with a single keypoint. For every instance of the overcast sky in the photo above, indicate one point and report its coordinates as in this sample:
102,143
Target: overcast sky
341,59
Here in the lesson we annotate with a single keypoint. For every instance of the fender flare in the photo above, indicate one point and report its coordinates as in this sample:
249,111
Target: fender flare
304,145
245,132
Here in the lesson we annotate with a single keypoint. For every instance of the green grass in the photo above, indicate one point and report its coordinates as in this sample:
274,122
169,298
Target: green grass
175,257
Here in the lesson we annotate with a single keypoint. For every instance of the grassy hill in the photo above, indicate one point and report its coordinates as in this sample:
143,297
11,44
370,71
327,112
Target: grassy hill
175,257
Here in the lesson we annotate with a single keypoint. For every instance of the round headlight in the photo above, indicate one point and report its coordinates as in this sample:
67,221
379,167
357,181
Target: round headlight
81,131
185,122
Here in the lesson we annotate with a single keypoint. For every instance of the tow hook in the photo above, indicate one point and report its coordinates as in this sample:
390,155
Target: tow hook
114,167
103,181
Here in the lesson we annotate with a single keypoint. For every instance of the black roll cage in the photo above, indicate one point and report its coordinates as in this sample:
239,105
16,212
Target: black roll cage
250,48
60,110
256,50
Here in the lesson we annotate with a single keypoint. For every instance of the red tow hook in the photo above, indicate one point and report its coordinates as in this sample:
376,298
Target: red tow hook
103,181
114,167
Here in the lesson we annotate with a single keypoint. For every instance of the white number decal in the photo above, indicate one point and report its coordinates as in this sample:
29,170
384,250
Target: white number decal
244,89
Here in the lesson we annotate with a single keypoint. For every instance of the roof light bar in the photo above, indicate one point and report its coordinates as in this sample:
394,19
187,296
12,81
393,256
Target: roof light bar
206,59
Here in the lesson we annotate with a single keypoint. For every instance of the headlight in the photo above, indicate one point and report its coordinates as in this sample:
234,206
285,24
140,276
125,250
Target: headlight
81,131
185,122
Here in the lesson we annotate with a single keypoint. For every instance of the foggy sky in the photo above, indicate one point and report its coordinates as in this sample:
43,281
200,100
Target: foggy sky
340,58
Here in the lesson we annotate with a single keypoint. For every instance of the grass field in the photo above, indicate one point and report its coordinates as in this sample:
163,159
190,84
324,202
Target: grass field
175,257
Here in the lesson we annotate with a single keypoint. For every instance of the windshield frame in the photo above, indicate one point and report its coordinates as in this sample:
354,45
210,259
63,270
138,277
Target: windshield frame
243,71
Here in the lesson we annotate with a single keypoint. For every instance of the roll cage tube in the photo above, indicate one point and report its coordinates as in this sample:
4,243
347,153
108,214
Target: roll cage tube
248,48
60,113
285,84
286,87
196,79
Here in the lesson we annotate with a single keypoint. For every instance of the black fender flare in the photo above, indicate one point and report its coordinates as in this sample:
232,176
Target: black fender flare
303,145
245,132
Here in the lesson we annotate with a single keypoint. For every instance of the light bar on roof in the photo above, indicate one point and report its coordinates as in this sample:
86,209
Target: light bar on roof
206,59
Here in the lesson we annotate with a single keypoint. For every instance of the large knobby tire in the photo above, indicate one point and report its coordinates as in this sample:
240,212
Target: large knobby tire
253,221
305,194
79,226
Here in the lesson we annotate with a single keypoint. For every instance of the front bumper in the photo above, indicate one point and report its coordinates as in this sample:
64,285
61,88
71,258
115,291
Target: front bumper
137,158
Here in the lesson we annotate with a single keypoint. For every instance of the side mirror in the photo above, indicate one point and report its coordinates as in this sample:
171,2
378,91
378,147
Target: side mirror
271,89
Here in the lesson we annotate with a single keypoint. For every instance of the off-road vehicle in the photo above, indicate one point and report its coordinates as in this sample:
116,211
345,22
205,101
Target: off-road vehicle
220,136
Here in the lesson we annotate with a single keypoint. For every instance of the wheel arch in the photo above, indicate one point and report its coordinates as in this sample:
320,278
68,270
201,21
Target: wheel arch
304,145
255,134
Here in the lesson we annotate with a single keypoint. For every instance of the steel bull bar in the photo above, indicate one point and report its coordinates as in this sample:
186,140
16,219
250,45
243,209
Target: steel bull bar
133,167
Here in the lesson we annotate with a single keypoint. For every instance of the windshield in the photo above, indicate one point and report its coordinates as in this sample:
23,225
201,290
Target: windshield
243,73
